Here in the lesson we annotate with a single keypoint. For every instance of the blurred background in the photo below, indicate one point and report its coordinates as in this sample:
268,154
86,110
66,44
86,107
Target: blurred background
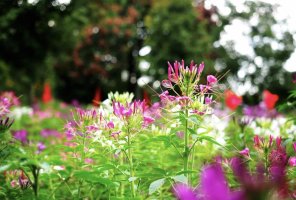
83,49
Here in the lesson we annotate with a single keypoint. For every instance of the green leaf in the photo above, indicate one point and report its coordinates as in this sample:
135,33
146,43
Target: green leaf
210,139
4,168
155,185
93,177
180,178
193,132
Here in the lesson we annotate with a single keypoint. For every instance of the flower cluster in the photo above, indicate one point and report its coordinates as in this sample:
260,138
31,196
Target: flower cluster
193,95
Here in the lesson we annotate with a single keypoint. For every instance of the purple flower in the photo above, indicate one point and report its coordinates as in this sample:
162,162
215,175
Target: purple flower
49,132
245,152
92,128
40,147
21,135
292,161
208,100
213,184
211,79
203,88
184,192
294,146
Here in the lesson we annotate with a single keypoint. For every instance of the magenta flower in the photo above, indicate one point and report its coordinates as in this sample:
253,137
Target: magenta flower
92,128
213,186
165,97
211,79
148,120
292,161
208,100
21,135
258,141
204,88
184,192
200,68
4,106
294,146
173,73
110,125
245,152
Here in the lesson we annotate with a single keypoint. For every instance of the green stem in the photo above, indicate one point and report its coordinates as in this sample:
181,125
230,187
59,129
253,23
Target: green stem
82,160
186,149
130,159
35,185
186,138
122,185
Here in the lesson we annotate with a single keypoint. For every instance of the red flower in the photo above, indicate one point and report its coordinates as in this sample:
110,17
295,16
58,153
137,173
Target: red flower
269,99
97,97
232,101
46,96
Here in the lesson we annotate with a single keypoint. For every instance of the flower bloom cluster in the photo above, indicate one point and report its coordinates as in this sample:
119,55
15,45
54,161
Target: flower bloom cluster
193,95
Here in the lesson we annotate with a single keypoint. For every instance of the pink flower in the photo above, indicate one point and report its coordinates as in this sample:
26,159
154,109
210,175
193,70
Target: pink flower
166,84
13,183
183,100
211,79
292,161
148,120
88,160
200,68
257,141
270,140
180,134
115,134
245,152
110,125
173,73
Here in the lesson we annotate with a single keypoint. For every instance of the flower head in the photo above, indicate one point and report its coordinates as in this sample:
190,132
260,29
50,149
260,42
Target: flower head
40,147
46,96
211,79
270,99
232,100
184,192
292,161
245,152
21,135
